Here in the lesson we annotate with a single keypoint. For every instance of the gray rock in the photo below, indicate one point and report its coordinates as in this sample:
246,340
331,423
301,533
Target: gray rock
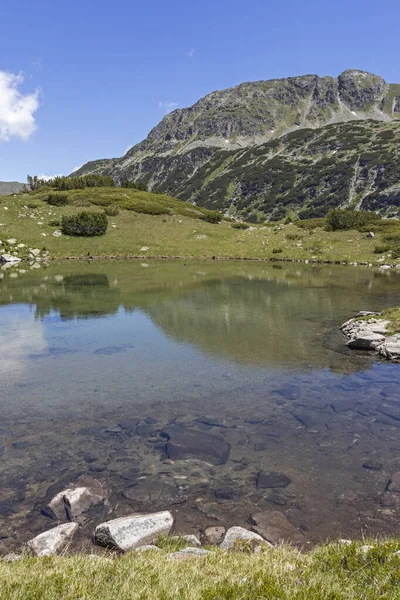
394,484
154,493
275,527
366,340
272,479
189,553
214,535
52,541
370,234
191,538
188,443
12,557
239,533
75,501
9,258
390,349
372,465
126,533
147,548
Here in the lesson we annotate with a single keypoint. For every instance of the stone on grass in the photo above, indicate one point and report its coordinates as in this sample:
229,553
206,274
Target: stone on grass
12,557
52,541
214,535
9,258
147,548
192,539
126,533
189,553
239,533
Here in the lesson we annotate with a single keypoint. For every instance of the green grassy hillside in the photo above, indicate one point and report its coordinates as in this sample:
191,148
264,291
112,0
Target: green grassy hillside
152,225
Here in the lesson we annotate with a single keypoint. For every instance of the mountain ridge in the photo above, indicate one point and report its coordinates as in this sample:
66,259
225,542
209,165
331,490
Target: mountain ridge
246,116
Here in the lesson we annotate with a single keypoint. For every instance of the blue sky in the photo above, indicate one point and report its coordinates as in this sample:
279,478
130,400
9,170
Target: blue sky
97,75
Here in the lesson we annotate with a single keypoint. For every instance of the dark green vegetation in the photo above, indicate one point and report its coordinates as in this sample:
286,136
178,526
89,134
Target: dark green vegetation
358,571
338,219
276,149
85,224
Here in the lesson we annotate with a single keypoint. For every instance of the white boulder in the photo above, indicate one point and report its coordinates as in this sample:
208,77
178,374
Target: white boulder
126,533
9,258
75,501
240,533
52,541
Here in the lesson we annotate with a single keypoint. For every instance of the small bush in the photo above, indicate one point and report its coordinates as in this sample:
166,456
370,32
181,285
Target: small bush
85,224
112,211
381,249
310,223
240,226
57,199
341,219
211,216
293,236
32,205
55,223
276,250
146,207
396,252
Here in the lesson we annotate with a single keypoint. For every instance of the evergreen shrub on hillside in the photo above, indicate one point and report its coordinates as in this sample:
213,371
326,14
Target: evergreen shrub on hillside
85,224
339,219
111,211
57,199
211,216
240,226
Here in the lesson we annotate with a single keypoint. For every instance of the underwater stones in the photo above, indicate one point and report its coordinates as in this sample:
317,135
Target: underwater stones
154,493
214,535
372,465
74,502
239,533
225,493
189,443
52,541
394,483
126,533
275,528
289,392
272,479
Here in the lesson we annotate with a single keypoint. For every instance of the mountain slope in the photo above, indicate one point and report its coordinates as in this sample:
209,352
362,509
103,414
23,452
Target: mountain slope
188,151
10,187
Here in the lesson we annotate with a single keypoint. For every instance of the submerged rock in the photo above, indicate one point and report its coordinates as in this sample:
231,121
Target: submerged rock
272,479
189,443
239,533
74,502
154,493
126,533
52,541
275,527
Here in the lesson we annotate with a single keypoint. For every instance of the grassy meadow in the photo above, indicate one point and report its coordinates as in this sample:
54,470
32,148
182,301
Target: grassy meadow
167,227
358,571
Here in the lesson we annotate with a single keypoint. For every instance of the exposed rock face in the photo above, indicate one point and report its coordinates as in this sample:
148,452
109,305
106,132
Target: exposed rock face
371,334
10,187
52,541
126,533
233,148
275,527
239,533
189,443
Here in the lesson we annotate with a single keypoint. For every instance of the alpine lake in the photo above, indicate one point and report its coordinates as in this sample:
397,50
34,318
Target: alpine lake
213,389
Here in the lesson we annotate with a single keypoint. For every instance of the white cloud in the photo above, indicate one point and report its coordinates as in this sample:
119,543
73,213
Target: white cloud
167,107
47,177
191,52
77,168
16,109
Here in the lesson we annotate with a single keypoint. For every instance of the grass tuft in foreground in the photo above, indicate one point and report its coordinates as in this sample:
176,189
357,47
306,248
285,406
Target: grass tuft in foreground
331,572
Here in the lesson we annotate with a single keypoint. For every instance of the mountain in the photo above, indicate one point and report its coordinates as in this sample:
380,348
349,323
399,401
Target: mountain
10,187
268,148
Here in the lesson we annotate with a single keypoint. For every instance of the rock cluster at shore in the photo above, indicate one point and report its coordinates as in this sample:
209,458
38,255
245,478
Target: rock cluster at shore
371,332
139,532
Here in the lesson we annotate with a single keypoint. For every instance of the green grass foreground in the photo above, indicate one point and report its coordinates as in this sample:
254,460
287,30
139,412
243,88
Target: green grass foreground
170,228
330,572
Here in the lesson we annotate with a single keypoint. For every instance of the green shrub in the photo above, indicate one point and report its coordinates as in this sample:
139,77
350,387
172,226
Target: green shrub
310,223
276,250
101,201
293,236
340,219
57,199
147,207
86,224
240,226
32,205
111,211
211,216
55,223
396,252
